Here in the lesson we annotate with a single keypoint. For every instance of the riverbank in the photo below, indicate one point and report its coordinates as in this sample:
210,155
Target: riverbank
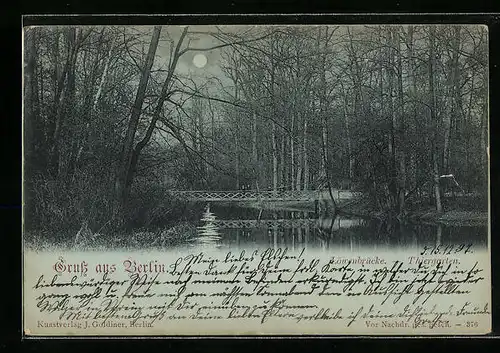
452,215
175,223
139,239
360,208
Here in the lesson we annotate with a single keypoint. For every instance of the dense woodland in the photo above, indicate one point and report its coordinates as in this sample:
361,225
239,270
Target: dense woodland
397,112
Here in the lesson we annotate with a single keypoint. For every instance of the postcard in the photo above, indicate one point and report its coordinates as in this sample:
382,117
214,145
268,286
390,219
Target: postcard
208,180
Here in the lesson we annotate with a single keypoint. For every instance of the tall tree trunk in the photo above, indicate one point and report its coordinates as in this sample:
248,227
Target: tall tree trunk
255,155
324,117
455,93
201,128
300,161
102,81
237,159
300,157
237,137
164,94
322,104
350,153
121,180
435,127
64,154
30,100
61,105
484,152
305,157
273,129
212,138
95,102
57,70
283,164
412,177
392,177
292,151
401,128
43,119
275,157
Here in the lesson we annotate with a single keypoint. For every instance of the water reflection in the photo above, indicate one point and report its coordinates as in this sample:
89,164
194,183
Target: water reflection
208,232
245,227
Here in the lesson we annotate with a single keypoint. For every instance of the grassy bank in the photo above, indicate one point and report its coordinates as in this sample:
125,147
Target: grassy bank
86,239
453,217
151,218
464,211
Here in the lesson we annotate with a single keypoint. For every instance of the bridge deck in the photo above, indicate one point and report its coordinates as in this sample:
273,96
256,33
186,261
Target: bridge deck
253,195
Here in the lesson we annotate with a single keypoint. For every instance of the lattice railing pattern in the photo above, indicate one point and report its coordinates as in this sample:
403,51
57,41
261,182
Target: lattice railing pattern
253,195
264,223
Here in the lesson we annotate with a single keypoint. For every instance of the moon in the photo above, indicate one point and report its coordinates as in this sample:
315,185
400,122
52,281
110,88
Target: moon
200,60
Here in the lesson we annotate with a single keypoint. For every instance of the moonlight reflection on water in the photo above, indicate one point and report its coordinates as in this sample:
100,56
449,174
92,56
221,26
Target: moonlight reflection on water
236,227
208,232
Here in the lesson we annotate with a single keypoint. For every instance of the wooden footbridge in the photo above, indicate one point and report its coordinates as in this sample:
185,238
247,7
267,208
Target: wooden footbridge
253,195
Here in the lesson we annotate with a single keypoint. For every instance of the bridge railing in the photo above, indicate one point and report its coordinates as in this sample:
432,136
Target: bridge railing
246,195
286,223
264,223
266,195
